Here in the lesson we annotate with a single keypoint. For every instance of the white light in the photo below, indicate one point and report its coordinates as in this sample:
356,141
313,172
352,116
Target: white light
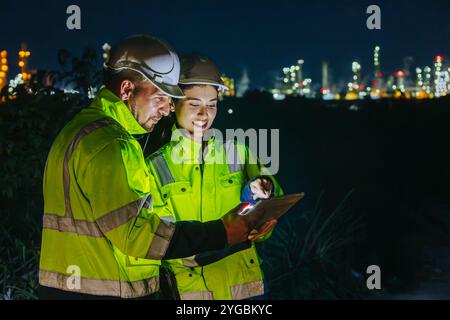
71,91
230,111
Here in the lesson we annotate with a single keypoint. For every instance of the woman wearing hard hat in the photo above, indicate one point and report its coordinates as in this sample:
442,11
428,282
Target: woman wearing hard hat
198,181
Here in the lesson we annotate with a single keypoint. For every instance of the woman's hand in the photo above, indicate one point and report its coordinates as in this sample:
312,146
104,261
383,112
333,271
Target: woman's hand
261,188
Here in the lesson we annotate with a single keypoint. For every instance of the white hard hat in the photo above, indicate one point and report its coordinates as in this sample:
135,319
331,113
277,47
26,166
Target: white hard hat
152,58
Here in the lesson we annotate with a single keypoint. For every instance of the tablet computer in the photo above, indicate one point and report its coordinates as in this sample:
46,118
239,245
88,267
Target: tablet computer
265,210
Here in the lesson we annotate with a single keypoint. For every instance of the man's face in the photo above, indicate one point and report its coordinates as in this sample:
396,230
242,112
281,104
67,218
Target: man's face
148,105
197,111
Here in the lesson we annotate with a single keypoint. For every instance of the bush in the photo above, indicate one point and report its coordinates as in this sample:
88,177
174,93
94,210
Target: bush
28,126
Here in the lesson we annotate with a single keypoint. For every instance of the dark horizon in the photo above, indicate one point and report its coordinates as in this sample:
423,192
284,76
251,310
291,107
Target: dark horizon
258,36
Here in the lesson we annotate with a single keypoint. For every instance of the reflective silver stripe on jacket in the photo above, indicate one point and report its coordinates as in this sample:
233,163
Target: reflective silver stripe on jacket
100,287
197,295
96,228
190,262
161,240
232,156
168,218
162,170
247,290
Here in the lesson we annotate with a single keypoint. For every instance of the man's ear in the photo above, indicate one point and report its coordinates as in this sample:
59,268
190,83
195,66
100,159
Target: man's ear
126,89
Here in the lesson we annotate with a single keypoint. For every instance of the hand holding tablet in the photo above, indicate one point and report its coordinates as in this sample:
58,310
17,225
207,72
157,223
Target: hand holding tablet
266,210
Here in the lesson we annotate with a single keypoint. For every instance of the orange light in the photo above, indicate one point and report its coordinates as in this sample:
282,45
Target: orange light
400,74
2,74
397,94
4,68
4,61
1,80
21,54
21,64
27,54
24,75
3,54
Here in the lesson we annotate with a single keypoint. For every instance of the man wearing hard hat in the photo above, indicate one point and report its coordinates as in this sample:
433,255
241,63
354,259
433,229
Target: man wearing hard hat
97,195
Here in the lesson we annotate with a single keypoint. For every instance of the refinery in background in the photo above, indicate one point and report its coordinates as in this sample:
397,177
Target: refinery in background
427,82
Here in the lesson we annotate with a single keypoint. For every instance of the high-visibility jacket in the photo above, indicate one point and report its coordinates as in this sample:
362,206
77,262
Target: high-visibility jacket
97,204
191,190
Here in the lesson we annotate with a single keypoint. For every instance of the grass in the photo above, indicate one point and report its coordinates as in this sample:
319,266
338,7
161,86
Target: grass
306,257
18,267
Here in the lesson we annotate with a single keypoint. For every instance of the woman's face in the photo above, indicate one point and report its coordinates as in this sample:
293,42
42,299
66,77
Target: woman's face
197,111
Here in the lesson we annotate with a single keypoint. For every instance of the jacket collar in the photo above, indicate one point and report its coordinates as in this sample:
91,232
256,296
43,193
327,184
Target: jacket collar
188,148
115,108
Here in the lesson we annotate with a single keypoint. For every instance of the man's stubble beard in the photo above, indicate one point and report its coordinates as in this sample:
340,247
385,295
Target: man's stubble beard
134,111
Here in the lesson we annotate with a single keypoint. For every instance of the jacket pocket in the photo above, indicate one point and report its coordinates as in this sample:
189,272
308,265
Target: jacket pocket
232,180
139,262
176,189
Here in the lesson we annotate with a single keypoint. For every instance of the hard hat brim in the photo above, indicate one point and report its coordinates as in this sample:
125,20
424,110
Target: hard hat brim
204,82
171,91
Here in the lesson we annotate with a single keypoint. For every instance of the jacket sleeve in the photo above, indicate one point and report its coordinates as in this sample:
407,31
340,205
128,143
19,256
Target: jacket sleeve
193,233
116,183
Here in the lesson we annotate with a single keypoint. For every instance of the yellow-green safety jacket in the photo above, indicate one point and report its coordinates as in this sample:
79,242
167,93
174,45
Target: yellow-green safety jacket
97,204
189,190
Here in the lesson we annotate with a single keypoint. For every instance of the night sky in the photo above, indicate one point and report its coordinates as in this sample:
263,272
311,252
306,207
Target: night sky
262,36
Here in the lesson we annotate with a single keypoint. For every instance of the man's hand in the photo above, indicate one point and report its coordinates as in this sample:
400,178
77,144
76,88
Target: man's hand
239,228
263,230
261,188
236,227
